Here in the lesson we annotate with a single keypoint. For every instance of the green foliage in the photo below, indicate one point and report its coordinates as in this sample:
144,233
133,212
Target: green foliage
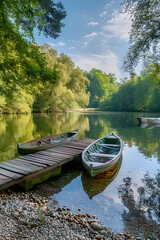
41,214
27,15
137,94
144,35
23,68
70,93
101,87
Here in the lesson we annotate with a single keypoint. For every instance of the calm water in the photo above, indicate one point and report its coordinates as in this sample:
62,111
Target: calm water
128,200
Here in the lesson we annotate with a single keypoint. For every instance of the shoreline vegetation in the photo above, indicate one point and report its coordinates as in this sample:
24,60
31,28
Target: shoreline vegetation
27,215
84,110
59,85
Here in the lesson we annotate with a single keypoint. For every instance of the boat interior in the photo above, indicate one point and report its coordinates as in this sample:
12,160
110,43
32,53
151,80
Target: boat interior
104,150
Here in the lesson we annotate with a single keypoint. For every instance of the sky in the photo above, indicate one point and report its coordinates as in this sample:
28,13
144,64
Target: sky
96,35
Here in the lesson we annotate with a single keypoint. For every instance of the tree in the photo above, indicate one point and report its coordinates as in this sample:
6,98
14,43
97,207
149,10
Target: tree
22,66
70,92
101,86
144,35
18,19
27,15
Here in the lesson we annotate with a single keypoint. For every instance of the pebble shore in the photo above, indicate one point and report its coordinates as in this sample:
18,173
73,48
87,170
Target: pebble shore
27,216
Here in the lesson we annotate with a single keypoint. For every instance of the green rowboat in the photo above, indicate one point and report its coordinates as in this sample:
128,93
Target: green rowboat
102,154
44,143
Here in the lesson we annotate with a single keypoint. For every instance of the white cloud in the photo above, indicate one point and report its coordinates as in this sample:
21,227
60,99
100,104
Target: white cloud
59,44
103,14
107,62
90,36
93,23
119,26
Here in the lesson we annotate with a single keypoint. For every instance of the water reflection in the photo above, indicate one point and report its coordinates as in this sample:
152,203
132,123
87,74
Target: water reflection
147,125
15,129
96,185
143,211
120,204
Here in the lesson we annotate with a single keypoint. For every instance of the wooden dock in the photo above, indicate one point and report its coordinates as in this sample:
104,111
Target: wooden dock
31,169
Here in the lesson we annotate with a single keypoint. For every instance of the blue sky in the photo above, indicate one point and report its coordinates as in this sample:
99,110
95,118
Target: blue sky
95,35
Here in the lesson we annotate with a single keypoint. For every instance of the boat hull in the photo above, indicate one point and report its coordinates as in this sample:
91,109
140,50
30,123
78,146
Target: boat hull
153,120
96,166
96,171
31,147
148,120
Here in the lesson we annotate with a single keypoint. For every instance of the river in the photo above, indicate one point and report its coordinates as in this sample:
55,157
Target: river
129,200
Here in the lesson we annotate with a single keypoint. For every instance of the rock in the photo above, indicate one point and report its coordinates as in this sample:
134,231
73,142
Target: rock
79,237
103,232
95,226
98,237
49,238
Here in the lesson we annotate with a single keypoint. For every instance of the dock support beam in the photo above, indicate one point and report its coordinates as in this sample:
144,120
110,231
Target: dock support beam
31,182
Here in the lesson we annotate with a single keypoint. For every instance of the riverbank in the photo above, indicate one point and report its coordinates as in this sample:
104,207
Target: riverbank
27,216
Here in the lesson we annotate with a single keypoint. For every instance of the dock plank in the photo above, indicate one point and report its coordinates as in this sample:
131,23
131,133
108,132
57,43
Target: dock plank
39,160
29,169
25,163
68,150
4,179
30,161
47,157
55,154
12,168
63,152
10,174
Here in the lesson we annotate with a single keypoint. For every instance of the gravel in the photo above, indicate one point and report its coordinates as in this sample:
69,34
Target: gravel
27,216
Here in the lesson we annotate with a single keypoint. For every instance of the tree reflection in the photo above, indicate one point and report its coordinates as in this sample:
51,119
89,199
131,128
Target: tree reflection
143,214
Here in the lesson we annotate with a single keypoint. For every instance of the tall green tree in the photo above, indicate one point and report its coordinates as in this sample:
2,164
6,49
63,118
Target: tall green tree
22,65
18,19
144,34
71,90
100,87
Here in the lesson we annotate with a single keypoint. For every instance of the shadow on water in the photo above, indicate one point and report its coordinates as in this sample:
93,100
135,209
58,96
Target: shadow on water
96,185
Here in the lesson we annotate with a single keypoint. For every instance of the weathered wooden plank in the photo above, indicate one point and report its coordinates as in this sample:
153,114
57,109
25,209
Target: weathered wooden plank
54,154
25,163
30,161
12,164
58,151
68,150
4,179
63,152
38,160
10,174
25,168
74,147
12,168
47,157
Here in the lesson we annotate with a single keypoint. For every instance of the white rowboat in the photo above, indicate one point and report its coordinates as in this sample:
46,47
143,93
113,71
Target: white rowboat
102,154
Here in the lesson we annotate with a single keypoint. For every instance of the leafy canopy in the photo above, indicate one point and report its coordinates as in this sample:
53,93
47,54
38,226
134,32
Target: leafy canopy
145,33
45,15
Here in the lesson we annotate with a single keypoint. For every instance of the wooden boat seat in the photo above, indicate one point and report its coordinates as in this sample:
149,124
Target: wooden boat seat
109,145
102,155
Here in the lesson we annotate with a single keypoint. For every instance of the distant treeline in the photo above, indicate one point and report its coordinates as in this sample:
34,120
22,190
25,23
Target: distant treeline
139,93
38,80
